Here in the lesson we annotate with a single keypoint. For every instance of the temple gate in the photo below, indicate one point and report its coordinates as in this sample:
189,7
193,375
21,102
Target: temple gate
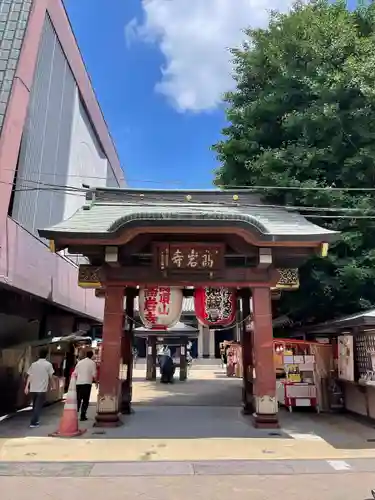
150,238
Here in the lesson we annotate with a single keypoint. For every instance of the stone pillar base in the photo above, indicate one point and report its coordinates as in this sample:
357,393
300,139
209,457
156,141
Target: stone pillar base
265,416
107,420
262,421
107,414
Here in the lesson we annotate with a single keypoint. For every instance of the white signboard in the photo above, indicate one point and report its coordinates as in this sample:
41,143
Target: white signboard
346,357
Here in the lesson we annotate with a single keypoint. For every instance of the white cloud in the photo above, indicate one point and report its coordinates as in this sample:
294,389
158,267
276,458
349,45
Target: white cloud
194,37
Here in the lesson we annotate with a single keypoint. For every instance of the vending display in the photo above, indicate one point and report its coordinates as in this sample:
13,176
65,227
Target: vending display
298,388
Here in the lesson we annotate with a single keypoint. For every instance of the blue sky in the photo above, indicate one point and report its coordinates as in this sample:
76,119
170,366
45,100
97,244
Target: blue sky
154,141
159,68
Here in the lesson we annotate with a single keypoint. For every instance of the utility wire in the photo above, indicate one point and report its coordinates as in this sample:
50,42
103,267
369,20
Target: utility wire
78,176
72,190
219,186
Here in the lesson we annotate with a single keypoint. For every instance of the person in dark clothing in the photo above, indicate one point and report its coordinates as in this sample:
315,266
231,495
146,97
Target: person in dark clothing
167,369
85,372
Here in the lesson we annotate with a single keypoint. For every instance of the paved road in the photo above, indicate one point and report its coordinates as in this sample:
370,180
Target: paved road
186,468
295,487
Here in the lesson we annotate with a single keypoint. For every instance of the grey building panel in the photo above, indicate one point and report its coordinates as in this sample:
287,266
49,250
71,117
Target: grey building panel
90,128
61,160
31,151
44,153
111,178
14,15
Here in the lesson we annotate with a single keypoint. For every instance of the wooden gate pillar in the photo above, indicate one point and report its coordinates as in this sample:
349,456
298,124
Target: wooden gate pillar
266,405
109,384
247,356
127,353
151,358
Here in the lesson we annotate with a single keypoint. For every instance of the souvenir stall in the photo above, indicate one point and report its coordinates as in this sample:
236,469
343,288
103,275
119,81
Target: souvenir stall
16,360
356,371
302,369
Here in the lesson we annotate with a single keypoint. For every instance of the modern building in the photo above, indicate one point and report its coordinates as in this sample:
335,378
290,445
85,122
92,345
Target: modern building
53,142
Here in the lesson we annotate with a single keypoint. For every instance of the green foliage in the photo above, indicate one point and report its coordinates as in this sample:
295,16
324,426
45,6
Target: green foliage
303,114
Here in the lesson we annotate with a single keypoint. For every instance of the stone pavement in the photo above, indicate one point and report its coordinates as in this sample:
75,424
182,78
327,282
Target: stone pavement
191,422
186,468
292,487
186,440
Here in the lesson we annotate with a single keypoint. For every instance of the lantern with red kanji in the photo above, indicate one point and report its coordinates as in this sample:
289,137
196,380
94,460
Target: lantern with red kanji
215,306
160,306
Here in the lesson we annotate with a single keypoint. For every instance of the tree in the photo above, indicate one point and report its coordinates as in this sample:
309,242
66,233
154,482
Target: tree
303,115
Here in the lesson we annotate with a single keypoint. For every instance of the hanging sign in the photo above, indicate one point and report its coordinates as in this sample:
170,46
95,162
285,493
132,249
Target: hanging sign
215,306
160,306
192,257
346,357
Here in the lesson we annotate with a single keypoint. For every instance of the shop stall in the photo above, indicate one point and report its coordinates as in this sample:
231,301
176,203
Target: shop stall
354,337
356,370
303,371
16,360
300,368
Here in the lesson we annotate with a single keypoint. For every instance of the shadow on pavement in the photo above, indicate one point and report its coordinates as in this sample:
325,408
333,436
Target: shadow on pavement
205,406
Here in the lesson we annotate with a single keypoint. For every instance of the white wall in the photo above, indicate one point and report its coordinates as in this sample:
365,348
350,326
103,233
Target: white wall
87,162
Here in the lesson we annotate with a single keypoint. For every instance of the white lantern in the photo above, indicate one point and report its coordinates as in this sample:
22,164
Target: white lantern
160,307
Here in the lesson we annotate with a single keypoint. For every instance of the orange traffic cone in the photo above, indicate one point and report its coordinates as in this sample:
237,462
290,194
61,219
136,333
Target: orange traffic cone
69,420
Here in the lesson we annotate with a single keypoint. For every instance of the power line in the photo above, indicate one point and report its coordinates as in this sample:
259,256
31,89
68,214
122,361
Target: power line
72,190
78,176
219,186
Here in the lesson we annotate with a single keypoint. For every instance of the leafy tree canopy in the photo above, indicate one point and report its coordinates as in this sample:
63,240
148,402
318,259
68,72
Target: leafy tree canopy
303,115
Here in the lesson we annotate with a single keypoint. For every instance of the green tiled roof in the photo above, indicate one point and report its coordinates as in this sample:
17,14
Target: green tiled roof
113,209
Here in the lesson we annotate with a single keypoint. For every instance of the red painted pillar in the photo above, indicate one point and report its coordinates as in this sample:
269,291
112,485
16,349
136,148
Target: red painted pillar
109,384
265,399
127,354
247,356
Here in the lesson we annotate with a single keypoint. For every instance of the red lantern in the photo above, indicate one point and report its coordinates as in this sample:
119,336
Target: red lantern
160,306
215,306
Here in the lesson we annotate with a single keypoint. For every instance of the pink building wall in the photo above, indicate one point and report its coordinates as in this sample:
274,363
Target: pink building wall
25,262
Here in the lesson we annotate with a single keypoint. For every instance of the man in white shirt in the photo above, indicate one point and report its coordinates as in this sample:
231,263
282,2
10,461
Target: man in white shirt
86,375
38,380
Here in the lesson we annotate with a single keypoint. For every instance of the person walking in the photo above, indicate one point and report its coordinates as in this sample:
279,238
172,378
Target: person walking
85,372
38,381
